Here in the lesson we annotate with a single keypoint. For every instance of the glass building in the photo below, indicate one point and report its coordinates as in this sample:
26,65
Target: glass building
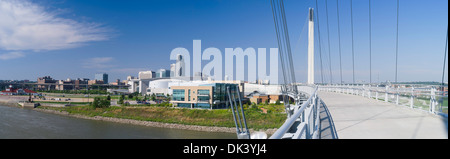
204,96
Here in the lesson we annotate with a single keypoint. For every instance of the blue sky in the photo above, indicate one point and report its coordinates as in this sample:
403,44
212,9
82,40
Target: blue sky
83,37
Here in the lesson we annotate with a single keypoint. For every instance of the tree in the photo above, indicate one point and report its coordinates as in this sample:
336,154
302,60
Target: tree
277,102
108,98
121,98
101,103
153,97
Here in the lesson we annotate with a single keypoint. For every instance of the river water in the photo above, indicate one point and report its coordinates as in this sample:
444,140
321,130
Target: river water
19,123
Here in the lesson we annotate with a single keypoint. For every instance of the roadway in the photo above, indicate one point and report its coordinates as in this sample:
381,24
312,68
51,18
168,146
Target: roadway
354,117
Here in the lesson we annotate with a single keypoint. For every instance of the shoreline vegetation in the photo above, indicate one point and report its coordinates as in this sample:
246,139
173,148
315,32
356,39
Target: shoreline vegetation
217,120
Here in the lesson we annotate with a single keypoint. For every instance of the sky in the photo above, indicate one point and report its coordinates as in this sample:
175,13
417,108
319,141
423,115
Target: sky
77,39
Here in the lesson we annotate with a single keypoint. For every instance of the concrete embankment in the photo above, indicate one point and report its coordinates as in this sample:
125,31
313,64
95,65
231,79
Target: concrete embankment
11,100
155,124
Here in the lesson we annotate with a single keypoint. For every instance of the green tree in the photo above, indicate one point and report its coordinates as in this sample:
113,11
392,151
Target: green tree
153,97
101,103
277,102
121,98
96,103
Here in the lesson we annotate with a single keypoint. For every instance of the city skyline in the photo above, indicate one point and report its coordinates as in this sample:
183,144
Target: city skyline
77,39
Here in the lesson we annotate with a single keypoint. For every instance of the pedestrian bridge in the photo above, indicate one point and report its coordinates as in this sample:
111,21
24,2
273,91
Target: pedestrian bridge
361,112
347,116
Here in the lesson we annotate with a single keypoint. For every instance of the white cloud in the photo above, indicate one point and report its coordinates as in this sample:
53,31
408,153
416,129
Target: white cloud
11,55
98,63
25,26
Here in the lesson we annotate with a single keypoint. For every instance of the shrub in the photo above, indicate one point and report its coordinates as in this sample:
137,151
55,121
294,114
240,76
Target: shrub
101,103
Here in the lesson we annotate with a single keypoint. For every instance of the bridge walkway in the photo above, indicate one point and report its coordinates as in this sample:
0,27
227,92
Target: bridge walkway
347,116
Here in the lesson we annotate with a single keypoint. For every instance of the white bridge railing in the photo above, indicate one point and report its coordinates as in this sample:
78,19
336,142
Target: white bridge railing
304,123
429,99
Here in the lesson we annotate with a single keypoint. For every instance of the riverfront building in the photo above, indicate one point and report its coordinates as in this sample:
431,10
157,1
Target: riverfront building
204,96
14,91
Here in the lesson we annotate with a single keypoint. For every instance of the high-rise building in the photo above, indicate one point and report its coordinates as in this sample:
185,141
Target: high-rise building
102,77
146,75
172,70
163,73
180,67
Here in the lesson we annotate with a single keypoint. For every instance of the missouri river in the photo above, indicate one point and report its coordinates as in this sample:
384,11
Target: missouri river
19,123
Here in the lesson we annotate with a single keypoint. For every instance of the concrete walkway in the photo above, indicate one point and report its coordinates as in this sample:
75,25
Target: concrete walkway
356,117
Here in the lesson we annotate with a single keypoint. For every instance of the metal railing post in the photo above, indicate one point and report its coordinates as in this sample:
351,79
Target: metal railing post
376,93
386,97
396,102
433,100
412,98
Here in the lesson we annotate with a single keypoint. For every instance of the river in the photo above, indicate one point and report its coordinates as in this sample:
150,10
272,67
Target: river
19,123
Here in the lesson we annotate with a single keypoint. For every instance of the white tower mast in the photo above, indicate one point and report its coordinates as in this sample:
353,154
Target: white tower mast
311,47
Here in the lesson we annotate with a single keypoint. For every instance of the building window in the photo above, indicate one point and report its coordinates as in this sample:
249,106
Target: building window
189,95
178,94
203,92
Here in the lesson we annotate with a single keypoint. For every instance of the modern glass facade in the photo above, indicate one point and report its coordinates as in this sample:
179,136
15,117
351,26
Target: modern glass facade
220,95
178,95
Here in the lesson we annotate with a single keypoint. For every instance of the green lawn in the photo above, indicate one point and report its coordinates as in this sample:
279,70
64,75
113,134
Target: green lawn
256,119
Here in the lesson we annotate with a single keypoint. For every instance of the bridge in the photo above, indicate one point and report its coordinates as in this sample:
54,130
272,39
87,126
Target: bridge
352,110
355,115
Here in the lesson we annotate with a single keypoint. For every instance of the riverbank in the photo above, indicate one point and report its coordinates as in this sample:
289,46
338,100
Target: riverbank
12,100
154,124
166,117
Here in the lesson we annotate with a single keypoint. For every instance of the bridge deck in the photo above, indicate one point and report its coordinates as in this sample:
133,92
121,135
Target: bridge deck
356,117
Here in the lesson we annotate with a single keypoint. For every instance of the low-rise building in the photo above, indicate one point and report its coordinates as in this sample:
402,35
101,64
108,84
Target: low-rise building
203,96
13,91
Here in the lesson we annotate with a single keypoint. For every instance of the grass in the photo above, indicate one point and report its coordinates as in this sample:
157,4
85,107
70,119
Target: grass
256,119
81,103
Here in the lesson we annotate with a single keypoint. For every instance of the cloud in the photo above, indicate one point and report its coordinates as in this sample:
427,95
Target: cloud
25,26
98,63
11,55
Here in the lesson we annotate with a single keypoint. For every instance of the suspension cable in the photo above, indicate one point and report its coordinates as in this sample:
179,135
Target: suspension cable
396,52
353,46
445,59
320,47
329,48
339,36
370,42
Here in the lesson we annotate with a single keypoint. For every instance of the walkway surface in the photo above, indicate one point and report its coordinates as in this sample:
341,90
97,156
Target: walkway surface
356,117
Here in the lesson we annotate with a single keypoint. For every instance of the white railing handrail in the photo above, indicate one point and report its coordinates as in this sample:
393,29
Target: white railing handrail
298,111
431,96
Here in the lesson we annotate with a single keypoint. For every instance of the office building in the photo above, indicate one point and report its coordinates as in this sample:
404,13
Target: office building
102,77
203,96
163,73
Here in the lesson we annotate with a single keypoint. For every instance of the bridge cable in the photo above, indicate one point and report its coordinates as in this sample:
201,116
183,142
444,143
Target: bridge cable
329,48
339,36
353,46
320,47
283,43
370,42
275,19
445,59
288,45
396,52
